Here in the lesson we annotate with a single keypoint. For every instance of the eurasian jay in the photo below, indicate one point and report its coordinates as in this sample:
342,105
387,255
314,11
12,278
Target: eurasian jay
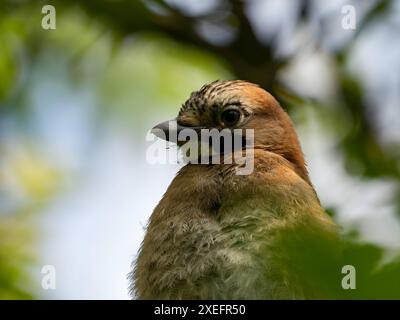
219,235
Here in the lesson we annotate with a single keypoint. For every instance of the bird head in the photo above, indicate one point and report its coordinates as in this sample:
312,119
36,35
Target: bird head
240,104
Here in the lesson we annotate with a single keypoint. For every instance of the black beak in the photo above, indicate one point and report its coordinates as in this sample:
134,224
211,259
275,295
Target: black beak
169,130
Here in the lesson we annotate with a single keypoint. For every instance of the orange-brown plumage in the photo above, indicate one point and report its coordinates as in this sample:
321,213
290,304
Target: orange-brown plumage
214,234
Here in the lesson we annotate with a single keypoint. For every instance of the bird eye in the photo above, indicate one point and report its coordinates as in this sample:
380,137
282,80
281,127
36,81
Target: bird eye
230,117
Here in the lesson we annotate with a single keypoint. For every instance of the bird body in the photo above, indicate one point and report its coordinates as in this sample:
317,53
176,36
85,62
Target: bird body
219,235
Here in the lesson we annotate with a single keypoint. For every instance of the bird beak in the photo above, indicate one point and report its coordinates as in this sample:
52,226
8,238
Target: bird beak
162,130
169,130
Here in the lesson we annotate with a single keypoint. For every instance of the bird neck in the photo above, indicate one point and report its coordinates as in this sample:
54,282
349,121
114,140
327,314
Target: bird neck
293,155
296,158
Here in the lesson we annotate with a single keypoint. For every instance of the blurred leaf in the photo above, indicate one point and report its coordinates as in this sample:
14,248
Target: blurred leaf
15,258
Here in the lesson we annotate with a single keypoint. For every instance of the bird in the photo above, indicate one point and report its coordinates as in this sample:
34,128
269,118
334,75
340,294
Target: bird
216,234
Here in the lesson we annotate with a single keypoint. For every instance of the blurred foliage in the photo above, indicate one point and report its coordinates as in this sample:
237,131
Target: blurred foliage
322,278
15,255
140,56
26,183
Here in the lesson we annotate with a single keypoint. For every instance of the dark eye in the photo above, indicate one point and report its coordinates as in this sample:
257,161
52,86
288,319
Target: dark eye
230,117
